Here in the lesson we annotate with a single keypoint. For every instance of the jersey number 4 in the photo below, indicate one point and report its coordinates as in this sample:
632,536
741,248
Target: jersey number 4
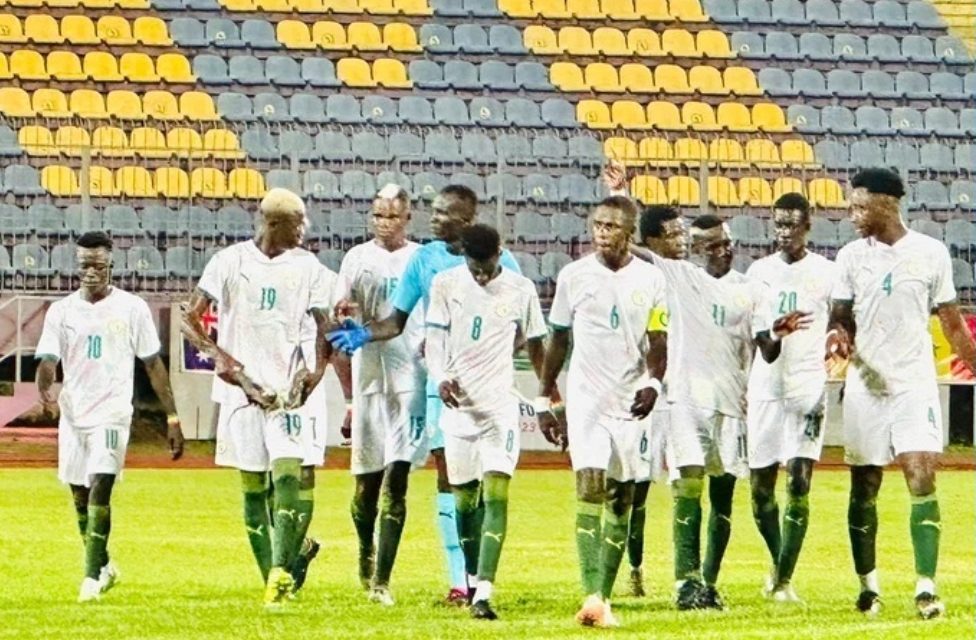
886,284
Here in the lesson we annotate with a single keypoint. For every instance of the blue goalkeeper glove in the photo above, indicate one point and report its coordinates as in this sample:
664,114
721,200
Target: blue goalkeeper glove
350,337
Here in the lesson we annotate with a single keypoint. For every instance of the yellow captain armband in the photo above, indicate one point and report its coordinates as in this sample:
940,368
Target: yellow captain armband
658,320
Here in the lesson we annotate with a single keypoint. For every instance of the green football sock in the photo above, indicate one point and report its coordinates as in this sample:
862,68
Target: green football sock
495,492
720,492
96,539
466,499
796,517
612,546
765,512
862,526
926,526
588,532
363,510
638,518
305,507
257,519
284,475
82,514
687,517
393,516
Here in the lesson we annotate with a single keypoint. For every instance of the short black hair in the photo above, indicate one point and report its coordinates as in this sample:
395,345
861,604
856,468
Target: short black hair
94,240
620,203
652,219
793,202
880,181
481,242
463,193
707,221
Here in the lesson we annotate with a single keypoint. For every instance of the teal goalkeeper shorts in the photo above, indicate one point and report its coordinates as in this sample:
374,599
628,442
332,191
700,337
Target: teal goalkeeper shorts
435,437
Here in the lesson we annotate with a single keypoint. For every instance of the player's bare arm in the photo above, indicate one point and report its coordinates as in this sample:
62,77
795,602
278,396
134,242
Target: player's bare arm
553,429
305,382
770,342
159,379
343,368
657,365
841,329
957,334
47,373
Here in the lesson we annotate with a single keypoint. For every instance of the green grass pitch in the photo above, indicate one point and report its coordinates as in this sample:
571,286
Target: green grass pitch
187,570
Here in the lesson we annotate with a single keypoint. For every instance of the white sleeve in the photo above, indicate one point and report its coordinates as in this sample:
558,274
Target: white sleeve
438,313
145,340
843,286
212,280
942,290
345,279
322,288
438,325
762,307
560,313
50,343
533,322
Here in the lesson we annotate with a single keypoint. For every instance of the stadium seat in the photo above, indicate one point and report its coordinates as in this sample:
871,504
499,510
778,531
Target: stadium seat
728,153
58,180
656,151
749,45
644,42
505,39
610,42
365,36
284,71
451,111
713,44
106,141
9,147
161,105
567,76
515,149
319,72
40,28
378,109
665,115
37,140
962,194
65,66
174,68
80,30
889,13
553,151
401,37
637,78
184,142
937,157
406,146
884,47
151,31
50,103
295,34
671,78
541,189
461,74
850,47
576,41
735,117
148,142
15,103
797,153
172,182
115,30
471,38
134,67
649,189
557,112
532,76
690,151
416,110
951,50
541,40
769,118
488,112
595,114
679,43
496,75
683,191
948,85
11,30
825,192
823,13
755,192
844,83
224,33
780,45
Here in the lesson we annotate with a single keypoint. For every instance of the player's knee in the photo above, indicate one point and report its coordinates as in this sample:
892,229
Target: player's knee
496,487
688,488
307,479
101,489
865,484
396,480
591,486
466,496
921,484
79,498
286,469
254,482
798,486
620,497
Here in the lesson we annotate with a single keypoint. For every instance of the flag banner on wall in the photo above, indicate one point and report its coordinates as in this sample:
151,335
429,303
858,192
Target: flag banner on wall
192,360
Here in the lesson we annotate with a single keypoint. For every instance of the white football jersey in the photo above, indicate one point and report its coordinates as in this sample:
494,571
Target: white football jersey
712,325
894,289
97,345
262,303
805,285
482,324
310,328
608,312
368,276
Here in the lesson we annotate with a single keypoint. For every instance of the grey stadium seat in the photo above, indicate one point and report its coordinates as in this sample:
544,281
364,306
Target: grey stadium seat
8,142
585,150
568,227
845,84
271,107
514,149
182,262
918,49
259,34
334,145
551,150
889,13
14,220
427,74
789,12
557,112
428,184
211,69
295,143
307,107
529,266
64,258
949,85
357,185
874,120
850,47
488,112
939,120
437,38
952,50
552,262
776,82
78,218
284,179
31,259
867,153
838,120
531,226
47,220
923,15
406,146
463,75
449,8
965,156
930,194
810,82
816,46
478,148
823,13
884,48
321,184
416,110
451,111
443,148
532,76
331,258
833,154
247,70
201,222
856,13
522,112
319,72
380,110
804,118
188,32
505,187
121,220
471,38
344,109
222,32
394,177
284,71
470,180
146,261
879,84
936,157
754,12
721,10
962,193
506,39
748,45
497,75
903,155
782,46
823,233
348,225
577,189
541,188
22,180
482,8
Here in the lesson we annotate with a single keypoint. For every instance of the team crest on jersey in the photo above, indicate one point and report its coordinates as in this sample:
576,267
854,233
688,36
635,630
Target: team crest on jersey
502,310
741,300
117,327
915,268
638,298
292,280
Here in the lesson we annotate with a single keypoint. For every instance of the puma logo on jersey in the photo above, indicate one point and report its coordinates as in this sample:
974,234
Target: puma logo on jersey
587,532
497,537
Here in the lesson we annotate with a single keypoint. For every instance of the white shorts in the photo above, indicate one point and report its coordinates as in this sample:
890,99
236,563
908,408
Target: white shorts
599,441
84,452
655,459
250,439
314,416
780,430
475,443
878,429
387,428
705,438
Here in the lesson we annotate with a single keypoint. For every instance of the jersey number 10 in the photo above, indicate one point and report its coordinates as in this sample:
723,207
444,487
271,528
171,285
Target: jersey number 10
94,345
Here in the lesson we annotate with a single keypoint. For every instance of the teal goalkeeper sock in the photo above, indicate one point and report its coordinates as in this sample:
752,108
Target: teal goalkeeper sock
447,523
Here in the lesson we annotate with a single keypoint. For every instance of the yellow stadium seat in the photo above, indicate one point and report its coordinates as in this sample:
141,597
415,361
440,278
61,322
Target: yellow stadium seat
664,116
365,36
174,67
294,34
713,44
786,185
671,79
628,114
722,192
518,8
683,191
207,182
619,9
115,30
378,7
97,4
691,151
390,73
541,40
41,28
585,9
161,105
734,116
741,81
770,118
827,193
239,5
246,183
401,37
797,153
755,192
707,81
687,11
172,182
72,141
65,66
101,182
51,103
184,142
308,6
220,143
644,42
15,103
28,65
148,142
679,43
657,152
355,72
602,78
623,150
413,7
135,182
138,67
25,3
567,76
553,9
68,4
124,105
60,181
576,41
763,153
11,30
197,105
727,153
79,30
275,6
102,67
594,114
342,6
133,4
637,78
37,140
653,10
5,73
111,142
151,31
329,35
699,116
610,42
649,190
